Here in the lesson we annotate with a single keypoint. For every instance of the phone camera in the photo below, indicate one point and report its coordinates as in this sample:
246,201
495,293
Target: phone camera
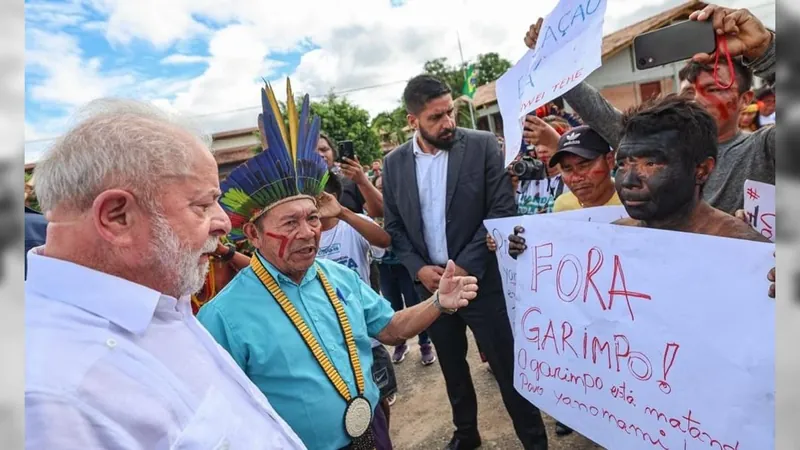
643,61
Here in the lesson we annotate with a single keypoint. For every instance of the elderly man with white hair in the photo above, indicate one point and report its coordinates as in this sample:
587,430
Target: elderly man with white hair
115,358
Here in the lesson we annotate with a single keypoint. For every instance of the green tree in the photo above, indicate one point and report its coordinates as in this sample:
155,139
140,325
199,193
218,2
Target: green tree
342,120
391,125
490,67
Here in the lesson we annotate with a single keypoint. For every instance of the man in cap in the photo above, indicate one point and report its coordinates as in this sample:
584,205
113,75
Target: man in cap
586,161
300,327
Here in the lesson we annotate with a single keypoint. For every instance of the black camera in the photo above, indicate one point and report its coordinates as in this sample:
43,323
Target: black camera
529,168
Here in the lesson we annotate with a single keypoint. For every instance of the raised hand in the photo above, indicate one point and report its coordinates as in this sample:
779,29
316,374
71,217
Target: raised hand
533,34
743,32
328,206
456,291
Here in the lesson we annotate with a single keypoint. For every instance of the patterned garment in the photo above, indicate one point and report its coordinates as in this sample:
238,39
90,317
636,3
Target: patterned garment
539,196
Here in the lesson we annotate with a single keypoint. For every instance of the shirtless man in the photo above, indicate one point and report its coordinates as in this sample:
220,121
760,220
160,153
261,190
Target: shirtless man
667,150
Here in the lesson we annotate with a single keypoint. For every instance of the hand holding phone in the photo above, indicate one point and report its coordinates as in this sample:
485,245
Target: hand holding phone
673,43
346,151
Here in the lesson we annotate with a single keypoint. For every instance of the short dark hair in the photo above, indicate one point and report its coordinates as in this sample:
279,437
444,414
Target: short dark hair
744,77
696,129
334,185
764,92
331,144
422,89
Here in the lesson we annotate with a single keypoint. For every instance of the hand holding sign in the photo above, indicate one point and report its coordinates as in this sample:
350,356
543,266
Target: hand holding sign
569,51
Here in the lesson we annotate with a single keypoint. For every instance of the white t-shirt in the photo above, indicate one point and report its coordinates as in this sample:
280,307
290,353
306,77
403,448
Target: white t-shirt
539,196
345,245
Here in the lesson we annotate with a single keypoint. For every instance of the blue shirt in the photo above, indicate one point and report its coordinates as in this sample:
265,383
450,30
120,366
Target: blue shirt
247,321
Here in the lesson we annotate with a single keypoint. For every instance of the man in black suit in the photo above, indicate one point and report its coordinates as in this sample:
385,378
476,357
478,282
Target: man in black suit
437,190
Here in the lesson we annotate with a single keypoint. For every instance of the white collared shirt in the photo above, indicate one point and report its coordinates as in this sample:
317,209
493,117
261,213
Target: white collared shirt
111,364
432,187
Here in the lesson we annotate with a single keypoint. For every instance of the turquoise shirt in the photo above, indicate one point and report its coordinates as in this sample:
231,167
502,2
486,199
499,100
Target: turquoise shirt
247,321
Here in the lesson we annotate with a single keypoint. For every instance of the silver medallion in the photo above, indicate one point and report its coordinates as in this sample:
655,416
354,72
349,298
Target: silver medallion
357,417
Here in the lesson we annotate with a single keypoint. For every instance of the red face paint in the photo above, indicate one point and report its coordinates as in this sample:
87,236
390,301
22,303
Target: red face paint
285,240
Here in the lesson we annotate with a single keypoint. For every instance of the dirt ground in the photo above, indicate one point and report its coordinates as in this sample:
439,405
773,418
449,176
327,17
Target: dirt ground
421,418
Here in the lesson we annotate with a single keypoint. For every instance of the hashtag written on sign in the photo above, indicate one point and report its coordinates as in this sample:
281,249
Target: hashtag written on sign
752,193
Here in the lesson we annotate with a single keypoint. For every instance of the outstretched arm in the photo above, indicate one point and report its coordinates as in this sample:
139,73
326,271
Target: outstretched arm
371,231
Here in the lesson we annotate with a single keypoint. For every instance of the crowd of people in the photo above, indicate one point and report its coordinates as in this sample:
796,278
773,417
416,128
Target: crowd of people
255,313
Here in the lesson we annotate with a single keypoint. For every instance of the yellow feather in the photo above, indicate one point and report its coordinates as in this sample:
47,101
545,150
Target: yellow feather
291,112
273,103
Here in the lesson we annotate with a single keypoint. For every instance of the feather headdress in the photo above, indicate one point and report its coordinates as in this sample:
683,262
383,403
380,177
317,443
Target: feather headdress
287,168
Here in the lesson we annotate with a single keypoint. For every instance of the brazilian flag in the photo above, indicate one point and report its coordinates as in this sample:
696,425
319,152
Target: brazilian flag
471,84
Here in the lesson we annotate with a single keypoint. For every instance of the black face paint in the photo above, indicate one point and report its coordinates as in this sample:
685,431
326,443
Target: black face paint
656,177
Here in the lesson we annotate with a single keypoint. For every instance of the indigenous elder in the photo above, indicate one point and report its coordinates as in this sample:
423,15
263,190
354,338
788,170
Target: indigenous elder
300,327
667,151
115,359
741,155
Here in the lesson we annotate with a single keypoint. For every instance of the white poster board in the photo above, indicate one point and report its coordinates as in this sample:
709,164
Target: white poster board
759,207
500,229
568,50
640,338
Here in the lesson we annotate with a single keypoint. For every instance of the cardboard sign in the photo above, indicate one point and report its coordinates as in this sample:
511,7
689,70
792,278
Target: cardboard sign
759,207
640,338
568,50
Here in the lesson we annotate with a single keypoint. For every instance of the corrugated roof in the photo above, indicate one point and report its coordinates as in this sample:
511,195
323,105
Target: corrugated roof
612,43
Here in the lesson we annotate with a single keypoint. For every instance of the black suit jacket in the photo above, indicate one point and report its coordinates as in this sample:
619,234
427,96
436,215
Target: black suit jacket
478,188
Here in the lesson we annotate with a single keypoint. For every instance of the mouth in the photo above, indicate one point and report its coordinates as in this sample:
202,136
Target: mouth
634,202
307,251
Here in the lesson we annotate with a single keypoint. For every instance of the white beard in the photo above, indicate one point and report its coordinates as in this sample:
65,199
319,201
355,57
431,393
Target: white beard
176,261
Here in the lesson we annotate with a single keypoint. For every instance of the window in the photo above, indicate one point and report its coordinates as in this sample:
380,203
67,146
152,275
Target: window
650,90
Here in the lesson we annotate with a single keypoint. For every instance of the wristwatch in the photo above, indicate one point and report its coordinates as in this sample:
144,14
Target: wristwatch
439,306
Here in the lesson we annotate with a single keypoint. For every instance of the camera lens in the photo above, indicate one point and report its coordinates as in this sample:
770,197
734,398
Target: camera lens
642,62
519,168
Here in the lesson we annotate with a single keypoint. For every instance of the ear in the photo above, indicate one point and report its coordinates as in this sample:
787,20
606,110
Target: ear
412,121
703,170
745,99
611,160
116,214
251,232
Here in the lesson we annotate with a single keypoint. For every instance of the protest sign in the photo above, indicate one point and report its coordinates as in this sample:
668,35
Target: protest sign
500,229
640,338
568,50
759,207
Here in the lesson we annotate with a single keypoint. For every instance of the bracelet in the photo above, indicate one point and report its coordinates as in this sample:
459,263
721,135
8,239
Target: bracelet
439,306
229,254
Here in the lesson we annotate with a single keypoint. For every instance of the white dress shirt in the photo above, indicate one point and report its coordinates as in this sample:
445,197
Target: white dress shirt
111,364
432,187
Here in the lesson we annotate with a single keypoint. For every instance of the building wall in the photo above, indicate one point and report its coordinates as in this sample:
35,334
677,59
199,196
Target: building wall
620,69
234,141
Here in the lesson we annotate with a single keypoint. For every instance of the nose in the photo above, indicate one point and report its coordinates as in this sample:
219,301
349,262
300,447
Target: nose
306,230
220,222
630,178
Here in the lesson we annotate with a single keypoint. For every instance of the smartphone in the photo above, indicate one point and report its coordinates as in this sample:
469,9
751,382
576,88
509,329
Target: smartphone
674,43
346,151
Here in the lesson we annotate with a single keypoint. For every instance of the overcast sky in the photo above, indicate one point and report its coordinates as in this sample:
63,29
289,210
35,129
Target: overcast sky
205,58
